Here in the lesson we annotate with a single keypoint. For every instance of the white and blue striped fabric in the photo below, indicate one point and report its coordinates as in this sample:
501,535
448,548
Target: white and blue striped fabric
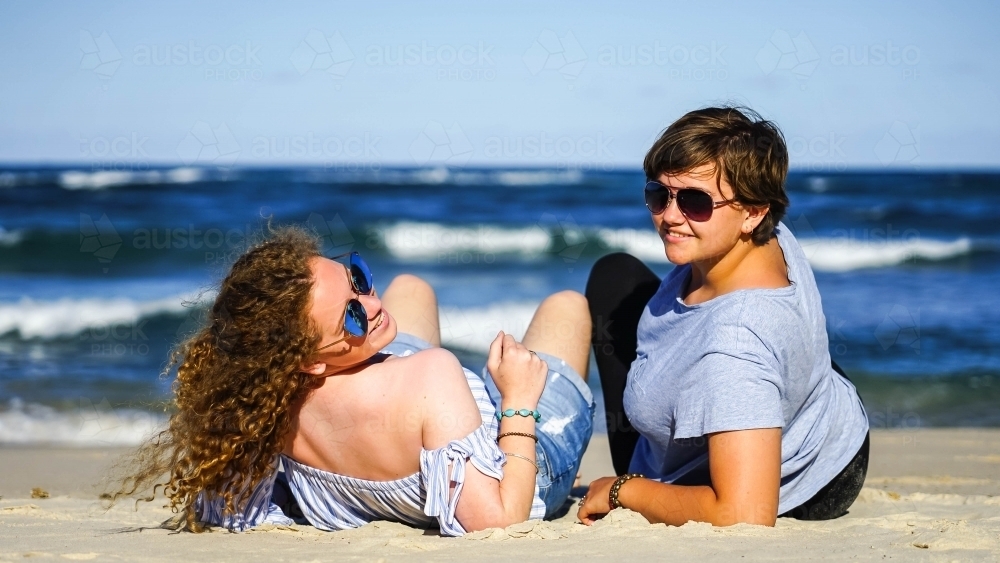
336,502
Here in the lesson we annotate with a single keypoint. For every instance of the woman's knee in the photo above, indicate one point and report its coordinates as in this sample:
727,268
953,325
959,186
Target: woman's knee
562,326
567,301
411,285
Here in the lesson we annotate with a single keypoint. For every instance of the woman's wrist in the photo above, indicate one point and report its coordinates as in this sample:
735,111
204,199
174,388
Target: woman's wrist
518,403
614,499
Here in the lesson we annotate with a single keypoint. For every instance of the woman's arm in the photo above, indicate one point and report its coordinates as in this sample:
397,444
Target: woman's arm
745,467
452,414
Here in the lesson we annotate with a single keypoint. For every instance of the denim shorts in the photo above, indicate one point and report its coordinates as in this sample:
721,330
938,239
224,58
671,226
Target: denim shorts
567,409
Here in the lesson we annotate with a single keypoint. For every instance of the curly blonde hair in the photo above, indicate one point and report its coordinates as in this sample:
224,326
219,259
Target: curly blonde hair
238,384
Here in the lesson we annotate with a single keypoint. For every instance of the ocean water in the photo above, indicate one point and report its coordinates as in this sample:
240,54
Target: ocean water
102,272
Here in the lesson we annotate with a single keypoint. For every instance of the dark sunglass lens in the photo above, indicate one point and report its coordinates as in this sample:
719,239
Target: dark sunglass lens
695,204
361,275
356,320
657,197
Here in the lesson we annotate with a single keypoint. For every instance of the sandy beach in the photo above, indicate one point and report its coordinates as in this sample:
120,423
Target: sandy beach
931,495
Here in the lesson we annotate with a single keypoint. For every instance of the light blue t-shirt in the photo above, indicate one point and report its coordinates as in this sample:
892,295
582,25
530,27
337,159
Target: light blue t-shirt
753,358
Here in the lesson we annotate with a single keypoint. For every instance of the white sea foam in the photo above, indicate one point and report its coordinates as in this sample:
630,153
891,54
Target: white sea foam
99,180
516,178
474,328
89,425
645,245
66,317
843,255
825,254
441,175
10,238
422,241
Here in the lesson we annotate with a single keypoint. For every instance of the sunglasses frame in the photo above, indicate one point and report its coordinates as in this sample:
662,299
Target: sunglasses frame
671,196
355,259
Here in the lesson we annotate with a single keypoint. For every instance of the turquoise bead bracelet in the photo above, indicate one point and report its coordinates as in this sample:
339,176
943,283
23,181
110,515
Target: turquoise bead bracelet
511,413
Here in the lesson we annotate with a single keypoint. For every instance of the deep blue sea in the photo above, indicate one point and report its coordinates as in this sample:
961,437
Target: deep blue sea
102,272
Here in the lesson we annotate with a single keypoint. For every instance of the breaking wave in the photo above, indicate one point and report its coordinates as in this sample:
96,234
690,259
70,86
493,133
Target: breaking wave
62,318
99,180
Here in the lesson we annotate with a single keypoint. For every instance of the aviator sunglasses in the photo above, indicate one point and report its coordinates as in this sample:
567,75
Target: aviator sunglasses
695,204
355,317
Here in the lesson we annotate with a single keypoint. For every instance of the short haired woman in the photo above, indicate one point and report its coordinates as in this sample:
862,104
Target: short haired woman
722,401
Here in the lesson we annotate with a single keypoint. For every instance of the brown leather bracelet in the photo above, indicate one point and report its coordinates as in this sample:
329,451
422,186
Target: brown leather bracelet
613,494
522,434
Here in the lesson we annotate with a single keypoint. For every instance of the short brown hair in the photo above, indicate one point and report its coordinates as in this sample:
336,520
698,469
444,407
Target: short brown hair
747,151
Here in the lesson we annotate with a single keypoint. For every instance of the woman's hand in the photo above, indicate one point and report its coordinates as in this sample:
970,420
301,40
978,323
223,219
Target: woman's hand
597,501
518,373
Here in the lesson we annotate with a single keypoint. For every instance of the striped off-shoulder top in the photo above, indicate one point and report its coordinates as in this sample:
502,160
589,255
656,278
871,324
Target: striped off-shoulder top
336,502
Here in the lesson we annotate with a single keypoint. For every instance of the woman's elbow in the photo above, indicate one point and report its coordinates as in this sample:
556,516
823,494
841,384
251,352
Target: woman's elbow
485,519
762,514
479,524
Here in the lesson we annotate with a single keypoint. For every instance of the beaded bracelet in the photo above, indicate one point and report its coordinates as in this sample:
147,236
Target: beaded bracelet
522,434
511,413
613,494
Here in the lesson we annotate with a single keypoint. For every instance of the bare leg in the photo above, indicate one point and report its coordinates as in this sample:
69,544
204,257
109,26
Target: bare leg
561,327
411,301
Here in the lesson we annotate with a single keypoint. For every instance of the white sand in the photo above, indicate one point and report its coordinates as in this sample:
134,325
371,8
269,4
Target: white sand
931,495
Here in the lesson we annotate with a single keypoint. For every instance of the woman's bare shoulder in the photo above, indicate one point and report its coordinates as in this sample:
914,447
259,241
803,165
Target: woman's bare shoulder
435,380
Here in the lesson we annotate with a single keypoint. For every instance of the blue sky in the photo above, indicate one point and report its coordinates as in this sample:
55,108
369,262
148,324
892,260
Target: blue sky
123,85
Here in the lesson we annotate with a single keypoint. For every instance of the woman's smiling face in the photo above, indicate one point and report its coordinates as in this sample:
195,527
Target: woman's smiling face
332,289
687,241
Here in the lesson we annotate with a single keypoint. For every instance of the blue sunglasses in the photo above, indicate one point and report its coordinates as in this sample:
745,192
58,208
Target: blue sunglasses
355,317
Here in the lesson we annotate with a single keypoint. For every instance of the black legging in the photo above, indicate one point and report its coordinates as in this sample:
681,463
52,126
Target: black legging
618,290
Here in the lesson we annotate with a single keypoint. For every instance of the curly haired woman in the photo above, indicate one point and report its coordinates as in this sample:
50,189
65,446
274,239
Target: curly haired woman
302,365
723,404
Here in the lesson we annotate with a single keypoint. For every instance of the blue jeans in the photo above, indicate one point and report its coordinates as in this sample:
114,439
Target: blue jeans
567,409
